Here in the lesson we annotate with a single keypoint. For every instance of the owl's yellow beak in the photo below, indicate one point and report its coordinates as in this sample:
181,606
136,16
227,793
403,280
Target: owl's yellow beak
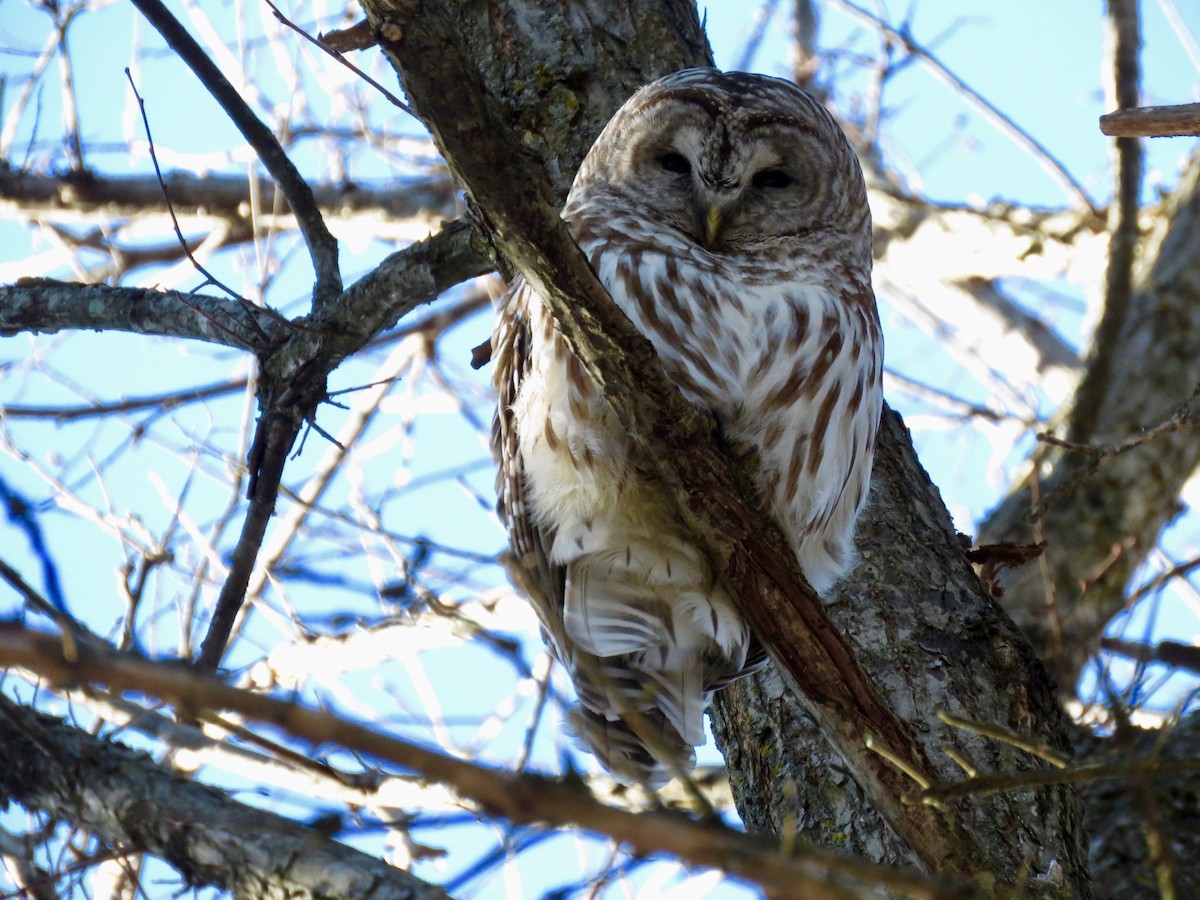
712,224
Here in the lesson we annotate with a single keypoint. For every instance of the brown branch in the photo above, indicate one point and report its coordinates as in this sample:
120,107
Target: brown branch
273,438
519,797
1007,782
123,798
209,278
358,36
1170,653
328,49
294,379
322,247
159,402
1153,121
715,499
294,371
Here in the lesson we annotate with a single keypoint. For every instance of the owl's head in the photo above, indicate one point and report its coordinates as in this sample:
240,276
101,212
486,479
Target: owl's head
737,163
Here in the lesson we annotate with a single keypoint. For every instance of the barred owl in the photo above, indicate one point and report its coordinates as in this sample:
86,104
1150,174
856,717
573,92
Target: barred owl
726,214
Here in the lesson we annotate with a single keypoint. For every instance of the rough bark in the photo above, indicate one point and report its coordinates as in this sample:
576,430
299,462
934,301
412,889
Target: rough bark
919,621
128,801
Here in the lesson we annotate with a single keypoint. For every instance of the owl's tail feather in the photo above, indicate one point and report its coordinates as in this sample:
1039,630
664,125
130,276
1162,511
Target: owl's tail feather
679,693
651,757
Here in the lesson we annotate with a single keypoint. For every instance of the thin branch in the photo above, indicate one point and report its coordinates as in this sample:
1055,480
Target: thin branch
1153,121
209,277
161,402
518,797
1021,781
1008,736
327,48
1186,417
322,247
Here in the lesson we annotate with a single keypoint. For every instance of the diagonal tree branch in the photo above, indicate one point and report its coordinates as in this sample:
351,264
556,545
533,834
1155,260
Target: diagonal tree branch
713,497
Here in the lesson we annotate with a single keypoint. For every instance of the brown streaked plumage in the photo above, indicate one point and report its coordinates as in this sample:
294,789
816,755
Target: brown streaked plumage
727,216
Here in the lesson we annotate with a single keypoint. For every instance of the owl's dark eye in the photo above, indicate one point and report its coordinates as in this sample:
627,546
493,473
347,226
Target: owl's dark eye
675,162
772,178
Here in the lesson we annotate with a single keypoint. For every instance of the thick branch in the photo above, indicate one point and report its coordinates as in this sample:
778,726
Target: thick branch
123,798
1124,32
42,305
1153,121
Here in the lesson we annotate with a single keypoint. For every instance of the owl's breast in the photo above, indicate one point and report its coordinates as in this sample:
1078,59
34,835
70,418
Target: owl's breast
721,327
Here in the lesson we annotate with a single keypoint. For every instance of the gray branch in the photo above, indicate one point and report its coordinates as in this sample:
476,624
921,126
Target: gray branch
123,798
42,305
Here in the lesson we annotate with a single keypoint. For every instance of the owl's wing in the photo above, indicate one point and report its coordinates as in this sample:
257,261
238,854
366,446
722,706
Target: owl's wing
621,744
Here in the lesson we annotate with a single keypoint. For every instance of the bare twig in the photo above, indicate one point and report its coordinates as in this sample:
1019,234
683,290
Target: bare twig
1007,736
762,18
209,277
163,402
1153,121
1184,418
1083,774
70,105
